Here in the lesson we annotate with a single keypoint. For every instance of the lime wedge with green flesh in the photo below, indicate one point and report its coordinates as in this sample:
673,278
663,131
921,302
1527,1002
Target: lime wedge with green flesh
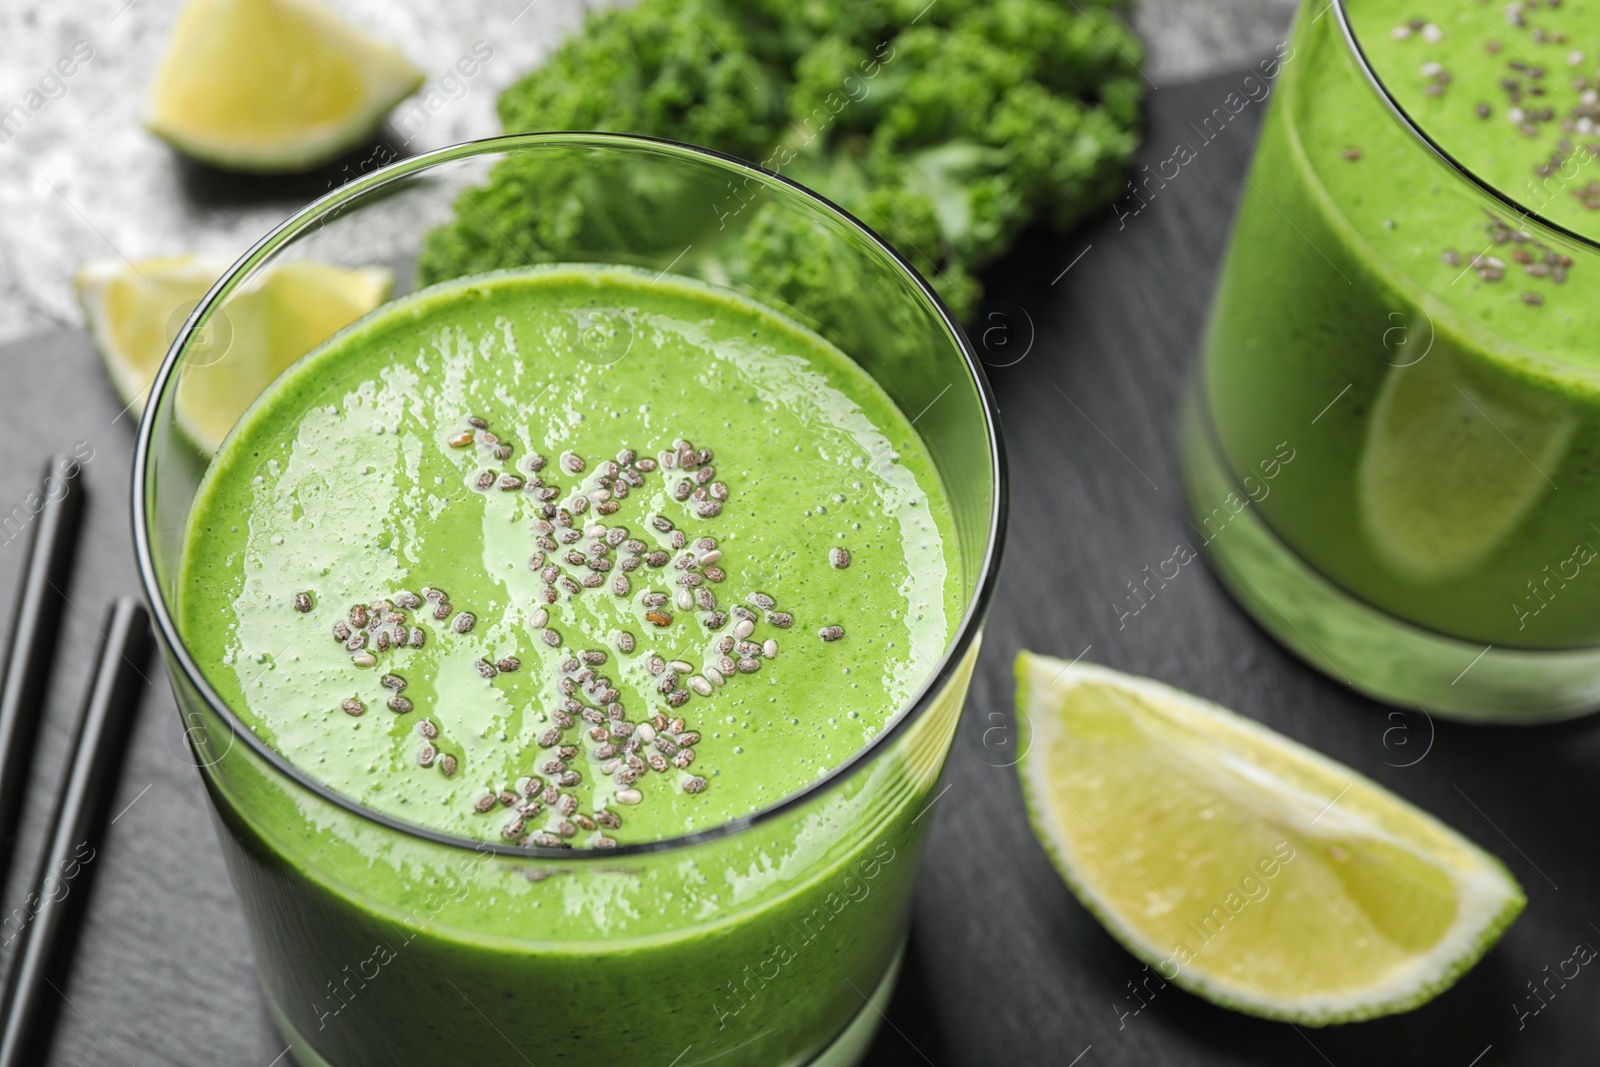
1241,865
134,310
273,85
1449,470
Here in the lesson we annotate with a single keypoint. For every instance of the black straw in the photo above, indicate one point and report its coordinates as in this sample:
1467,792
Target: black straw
41,953
33,635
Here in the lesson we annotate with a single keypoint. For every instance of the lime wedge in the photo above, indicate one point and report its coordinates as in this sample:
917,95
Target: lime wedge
273,85
134,310
1241,865
1449,470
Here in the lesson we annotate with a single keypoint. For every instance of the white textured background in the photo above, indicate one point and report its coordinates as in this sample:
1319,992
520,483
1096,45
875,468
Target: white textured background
82,179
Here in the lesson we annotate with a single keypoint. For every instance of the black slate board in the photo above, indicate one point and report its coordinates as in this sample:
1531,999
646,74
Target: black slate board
1005,967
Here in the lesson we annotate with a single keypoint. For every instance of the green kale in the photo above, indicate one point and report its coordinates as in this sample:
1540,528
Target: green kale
948,127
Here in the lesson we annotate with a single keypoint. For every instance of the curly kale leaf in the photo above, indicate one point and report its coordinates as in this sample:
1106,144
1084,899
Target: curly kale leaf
947,127
683,69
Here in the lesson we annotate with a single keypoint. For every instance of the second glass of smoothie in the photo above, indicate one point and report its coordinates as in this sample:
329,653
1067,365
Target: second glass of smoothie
1390,445
571,652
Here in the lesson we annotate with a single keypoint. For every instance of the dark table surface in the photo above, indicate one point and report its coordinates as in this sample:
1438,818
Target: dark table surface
1089,337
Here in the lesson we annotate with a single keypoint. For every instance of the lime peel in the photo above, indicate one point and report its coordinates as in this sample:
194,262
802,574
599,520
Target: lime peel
1449,470
134,309
273,85
1240,865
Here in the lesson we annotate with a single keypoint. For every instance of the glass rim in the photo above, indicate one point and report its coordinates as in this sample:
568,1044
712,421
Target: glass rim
910,712
1414,128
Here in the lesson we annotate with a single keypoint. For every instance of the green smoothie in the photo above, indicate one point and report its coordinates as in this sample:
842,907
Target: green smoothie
1427,351
574,557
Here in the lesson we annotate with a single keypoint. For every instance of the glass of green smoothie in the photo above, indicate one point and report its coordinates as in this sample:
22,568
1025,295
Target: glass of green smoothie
1390,446
571,652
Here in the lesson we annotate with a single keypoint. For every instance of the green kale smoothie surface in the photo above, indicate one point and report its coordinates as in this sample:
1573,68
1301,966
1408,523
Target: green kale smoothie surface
1511,90
570,557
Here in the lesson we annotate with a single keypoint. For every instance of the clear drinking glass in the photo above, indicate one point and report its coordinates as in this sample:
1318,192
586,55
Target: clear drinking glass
788,946
1389,469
